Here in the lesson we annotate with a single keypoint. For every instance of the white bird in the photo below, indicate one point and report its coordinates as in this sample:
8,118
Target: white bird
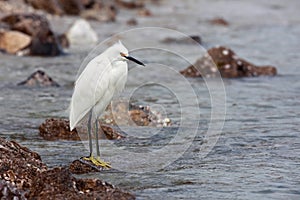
94,89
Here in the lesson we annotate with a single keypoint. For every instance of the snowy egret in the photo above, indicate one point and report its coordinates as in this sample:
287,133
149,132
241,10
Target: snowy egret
104,76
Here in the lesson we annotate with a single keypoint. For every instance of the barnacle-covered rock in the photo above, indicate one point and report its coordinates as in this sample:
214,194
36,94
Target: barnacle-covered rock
223,61
24,176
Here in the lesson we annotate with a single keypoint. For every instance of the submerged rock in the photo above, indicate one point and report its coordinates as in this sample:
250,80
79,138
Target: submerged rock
144,12
126,114
132,22
24,176
129,4
81,33
56,129
39,79
224,61
44,41
13,41
192,39
219,21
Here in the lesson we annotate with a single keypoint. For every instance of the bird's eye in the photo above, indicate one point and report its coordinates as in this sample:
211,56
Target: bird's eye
122,54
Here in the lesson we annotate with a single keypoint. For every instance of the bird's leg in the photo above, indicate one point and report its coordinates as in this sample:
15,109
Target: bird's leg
97,139
89,126
100,162
95,160
90,133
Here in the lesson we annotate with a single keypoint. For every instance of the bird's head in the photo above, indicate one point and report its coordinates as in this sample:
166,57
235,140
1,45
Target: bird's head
122,53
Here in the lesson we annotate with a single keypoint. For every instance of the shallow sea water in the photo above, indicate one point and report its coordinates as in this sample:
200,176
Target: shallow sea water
257,154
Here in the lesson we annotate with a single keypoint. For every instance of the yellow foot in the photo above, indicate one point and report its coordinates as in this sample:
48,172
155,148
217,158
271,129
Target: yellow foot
97,161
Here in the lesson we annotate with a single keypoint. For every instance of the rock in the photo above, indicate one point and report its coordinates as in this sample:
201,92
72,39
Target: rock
129,4
125,114
58,183
63,41
94,188
71,7
110,133
81,33
44,40
39,79
56,129
50,6
10,191
19,165
89,9
58,7
89,3
4,26
144,12
13,6
219,21
101,13
229,65
78,167
45,44
186,40
13,41
132,22
24,176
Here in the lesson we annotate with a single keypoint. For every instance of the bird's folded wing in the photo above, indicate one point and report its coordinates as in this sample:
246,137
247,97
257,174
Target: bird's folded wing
89,88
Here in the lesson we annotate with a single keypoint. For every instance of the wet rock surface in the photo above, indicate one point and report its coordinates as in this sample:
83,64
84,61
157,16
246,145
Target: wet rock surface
39,79
44,41
56,129
224,61
24,176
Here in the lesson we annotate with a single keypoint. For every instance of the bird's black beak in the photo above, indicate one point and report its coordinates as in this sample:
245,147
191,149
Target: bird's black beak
134,60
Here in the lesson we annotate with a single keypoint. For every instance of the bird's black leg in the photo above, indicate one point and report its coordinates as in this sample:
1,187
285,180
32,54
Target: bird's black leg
99,161
90,132
95,160
97,138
